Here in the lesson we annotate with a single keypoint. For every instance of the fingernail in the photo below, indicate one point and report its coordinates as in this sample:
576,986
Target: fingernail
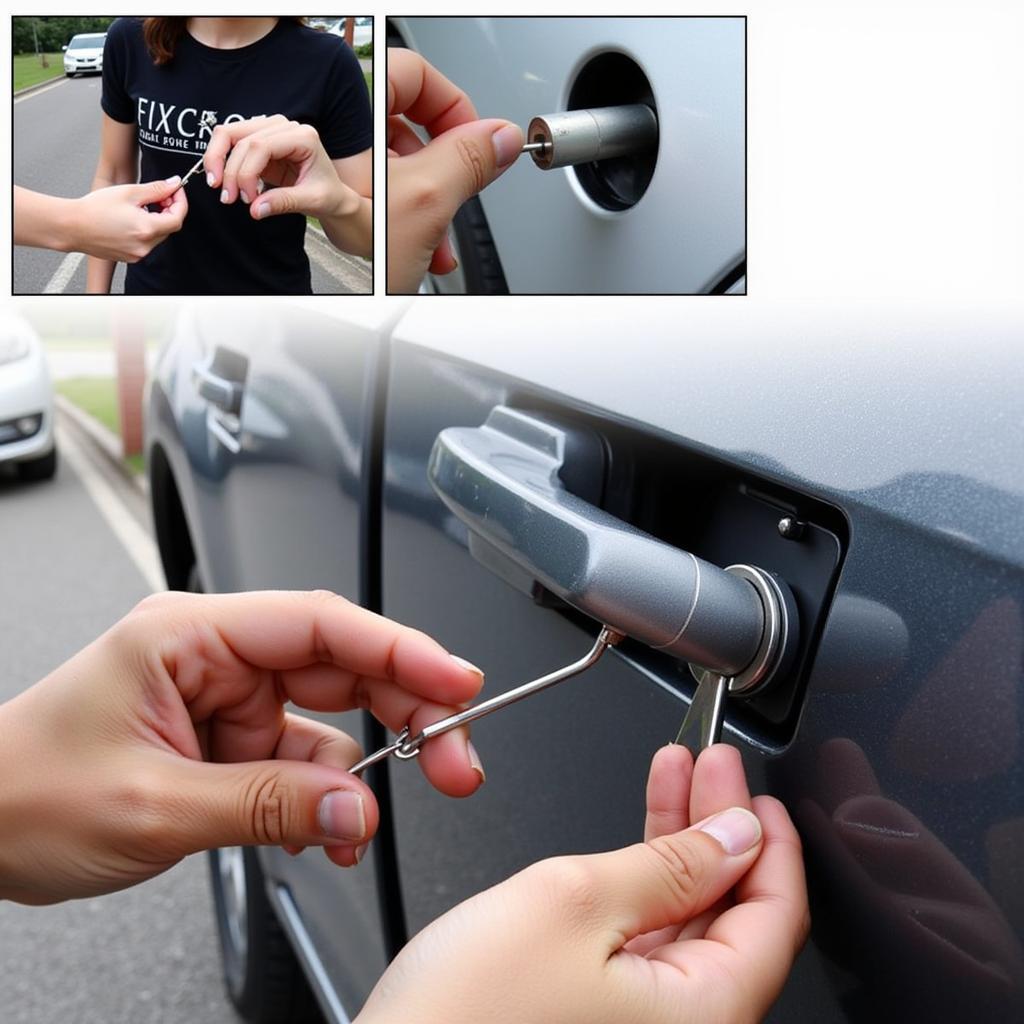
174,180
467,665
223,195
245,198
474,761
262,210
736,829
507,142
360,851
341,815
210,179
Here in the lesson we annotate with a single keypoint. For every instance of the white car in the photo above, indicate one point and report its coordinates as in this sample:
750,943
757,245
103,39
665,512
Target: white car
362,31
84,53
26,402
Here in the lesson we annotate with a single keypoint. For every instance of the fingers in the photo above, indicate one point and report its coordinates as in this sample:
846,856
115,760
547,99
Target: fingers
173,211
282,631
277,803
151,193
420,92
719,781
672,878
426,188
226,136
758,939
668,791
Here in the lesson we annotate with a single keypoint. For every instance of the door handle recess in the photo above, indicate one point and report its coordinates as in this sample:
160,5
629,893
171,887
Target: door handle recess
502,480
220,391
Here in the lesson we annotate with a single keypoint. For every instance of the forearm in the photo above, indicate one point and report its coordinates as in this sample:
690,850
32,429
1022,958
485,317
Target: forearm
46,222
351,227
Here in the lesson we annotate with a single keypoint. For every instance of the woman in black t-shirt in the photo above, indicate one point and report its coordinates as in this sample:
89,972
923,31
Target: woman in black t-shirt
162,75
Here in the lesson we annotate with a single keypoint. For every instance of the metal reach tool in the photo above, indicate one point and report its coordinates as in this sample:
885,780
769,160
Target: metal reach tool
208,120
573,137
406,747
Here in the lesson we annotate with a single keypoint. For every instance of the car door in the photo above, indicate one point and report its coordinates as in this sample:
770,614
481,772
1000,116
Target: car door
894,739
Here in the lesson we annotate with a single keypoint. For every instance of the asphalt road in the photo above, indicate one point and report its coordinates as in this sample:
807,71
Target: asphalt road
148,954
56,146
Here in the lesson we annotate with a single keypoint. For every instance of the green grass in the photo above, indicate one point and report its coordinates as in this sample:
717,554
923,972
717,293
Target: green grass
27,70
98,397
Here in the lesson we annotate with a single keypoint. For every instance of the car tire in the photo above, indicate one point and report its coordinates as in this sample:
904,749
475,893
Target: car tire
42,468
264,980
478,255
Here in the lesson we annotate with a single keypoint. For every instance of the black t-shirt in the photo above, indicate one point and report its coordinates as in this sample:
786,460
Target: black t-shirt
309,76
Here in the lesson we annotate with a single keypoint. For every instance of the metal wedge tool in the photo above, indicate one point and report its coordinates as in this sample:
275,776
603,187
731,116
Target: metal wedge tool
208,120
406,747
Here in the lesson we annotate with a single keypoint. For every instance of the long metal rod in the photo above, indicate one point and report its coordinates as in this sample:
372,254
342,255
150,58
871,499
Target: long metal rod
405,747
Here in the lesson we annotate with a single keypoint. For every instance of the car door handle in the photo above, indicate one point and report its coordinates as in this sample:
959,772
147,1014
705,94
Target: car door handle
220,391
502,480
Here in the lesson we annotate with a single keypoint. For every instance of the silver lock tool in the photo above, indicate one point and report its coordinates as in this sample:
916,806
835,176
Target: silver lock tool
585,136
208,120
406,747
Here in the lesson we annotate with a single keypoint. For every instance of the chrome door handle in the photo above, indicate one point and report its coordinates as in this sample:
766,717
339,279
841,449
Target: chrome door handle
502,480
220,391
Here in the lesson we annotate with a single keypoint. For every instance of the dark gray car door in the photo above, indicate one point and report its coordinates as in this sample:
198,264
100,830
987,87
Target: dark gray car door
898,750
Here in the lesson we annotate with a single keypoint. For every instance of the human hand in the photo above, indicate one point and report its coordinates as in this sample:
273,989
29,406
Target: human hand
114,223
106,766
244,155
427,183
699,923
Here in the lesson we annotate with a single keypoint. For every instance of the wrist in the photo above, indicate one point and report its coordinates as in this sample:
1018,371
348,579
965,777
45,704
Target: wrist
66,231
342,203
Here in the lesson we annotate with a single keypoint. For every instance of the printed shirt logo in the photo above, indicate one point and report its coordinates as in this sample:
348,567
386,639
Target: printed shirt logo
176,129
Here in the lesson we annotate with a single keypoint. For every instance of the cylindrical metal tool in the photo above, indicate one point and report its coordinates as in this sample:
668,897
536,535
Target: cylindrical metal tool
583,136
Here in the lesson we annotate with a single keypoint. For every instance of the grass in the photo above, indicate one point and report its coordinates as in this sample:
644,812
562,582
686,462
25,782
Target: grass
98,397
27,70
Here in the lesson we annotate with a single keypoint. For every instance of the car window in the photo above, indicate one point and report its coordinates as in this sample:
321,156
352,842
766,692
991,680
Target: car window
86,42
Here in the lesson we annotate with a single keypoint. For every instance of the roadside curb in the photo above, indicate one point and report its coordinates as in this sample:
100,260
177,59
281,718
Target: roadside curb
100,439
29,89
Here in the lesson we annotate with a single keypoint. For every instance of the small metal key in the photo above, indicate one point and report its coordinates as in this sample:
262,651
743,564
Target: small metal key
406,747
208,120
703,723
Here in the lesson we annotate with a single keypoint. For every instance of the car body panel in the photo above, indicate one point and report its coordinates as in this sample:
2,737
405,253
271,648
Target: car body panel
906,772
689,228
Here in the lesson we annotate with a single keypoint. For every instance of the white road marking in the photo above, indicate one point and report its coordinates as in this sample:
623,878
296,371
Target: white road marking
39,92
138,544
63,274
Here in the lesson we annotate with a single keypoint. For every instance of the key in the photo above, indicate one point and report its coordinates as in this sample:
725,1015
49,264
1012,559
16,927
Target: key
703,723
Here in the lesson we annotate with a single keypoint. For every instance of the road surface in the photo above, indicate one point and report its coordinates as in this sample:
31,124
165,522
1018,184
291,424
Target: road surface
56,146
148,954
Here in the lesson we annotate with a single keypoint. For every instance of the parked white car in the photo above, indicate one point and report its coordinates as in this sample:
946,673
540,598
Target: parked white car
84,53
26,402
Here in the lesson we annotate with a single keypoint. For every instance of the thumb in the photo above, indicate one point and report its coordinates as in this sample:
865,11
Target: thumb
463,161
150,192
273,803
674,878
